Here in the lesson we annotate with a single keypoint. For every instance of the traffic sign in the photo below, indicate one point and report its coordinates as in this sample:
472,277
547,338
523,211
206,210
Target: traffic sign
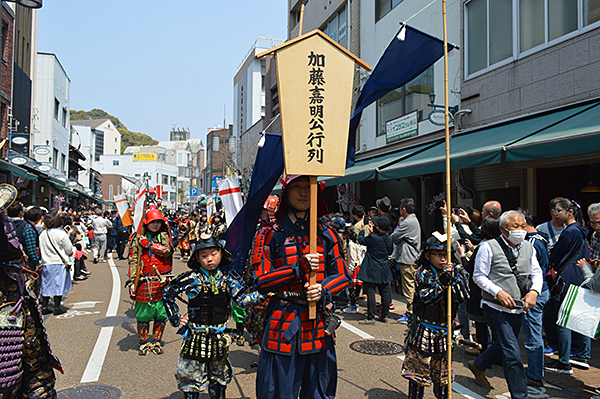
193,191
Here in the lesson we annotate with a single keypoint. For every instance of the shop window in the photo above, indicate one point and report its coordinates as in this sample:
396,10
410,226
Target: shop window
414,96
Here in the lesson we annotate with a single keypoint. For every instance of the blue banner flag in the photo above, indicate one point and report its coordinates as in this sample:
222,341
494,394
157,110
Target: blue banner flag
409,54
268,167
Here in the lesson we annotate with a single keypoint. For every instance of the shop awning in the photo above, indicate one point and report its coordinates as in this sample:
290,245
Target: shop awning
15,170
367,169
580,133
479,147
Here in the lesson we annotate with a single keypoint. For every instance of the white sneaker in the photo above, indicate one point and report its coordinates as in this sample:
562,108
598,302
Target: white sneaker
351,309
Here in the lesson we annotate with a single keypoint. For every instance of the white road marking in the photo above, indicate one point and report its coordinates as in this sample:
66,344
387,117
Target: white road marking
94,366
356,331
464,391
85,305
96,361
401,357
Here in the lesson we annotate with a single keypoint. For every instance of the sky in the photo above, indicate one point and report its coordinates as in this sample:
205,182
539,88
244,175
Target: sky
157,64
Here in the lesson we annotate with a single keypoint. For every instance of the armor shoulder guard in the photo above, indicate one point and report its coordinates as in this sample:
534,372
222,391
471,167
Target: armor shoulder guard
262,239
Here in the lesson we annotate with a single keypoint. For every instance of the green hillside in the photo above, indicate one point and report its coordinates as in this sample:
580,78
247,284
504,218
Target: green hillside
127,138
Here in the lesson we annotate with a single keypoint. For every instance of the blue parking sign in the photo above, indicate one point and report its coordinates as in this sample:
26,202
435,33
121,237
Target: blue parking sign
193,191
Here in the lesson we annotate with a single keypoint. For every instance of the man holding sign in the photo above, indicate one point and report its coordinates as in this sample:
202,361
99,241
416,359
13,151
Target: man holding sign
298,355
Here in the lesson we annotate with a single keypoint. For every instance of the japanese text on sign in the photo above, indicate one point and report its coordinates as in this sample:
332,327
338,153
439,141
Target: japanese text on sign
316,134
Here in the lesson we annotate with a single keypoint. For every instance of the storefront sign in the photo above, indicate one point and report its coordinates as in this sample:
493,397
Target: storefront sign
145,156
402,128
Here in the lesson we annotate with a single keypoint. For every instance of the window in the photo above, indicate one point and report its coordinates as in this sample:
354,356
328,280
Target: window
404,100
115,162
165,179
137,175
591,12
54,158
115,139
490,32
382,7
56,109
110,192
335,28
64,117
173,180
486,38
63,162
4,38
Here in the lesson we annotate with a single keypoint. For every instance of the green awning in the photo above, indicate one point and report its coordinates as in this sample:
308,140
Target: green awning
367,169
580,133
477,147
15,170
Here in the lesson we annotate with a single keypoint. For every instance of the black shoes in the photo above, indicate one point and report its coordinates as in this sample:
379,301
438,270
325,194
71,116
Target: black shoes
59,310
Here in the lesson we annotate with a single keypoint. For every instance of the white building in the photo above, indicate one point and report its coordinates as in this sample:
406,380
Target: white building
249,86
51,129
108,138
159,173
84,139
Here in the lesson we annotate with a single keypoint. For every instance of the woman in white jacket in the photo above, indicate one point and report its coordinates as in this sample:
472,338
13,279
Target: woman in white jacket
56,249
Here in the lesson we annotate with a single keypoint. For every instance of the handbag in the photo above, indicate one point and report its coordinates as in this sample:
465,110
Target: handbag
67,264
556,285
580,311
523,282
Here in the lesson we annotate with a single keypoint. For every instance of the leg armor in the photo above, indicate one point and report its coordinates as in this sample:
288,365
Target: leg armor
143,330
415,391
192,395
159,329
216,390
440,391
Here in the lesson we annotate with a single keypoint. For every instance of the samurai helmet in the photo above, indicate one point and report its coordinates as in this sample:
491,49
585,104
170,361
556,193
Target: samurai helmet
153,214
209,241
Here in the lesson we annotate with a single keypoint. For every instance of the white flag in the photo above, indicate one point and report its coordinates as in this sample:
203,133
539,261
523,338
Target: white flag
210,208
123,209
231,197
138,217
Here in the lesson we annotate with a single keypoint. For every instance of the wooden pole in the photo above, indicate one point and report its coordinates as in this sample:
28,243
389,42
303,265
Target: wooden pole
312,278
448,203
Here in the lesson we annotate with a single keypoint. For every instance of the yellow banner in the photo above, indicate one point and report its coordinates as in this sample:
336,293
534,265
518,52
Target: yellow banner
145,156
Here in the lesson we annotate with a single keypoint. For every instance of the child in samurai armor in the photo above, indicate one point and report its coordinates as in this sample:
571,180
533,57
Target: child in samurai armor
203,361
426,342
150,265
298,355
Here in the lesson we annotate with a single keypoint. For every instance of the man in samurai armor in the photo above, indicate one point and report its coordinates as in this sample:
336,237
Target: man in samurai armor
203,362
27,362
150,267
426,343
297,354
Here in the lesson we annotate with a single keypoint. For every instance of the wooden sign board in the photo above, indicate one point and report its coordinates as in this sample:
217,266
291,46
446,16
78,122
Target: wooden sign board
315,82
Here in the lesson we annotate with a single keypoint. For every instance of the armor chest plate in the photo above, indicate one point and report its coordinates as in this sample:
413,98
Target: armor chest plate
209,309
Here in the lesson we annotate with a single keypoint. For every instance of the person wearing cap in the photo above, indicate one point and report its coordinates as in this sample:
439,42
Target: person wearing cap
407,238
298,354
375,272
425,360
101,226
152,273
203,362
112,232
384,206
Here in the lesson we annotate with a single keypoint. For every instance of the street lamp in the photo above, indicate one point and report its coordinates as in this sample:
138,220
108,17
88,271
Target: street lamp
27,3
452,111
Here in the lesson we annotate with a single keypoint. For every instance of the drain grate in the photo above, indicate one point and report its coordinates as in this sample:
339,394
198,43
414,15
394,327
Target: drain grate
115,321
90,392
377,348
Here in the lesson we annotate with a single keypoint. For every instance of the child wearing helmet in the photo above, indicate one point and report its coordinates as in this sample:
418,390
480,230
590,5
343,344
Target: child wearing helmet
203,362
154,269
425,346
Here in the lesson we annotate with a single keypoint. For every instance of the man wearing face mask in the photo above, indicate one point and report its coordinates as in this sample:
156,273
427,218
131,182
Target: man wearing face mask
508,272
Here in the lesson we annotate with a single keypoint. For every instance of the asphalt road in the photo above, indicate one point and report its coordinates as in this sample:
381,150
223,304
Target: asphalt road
97,345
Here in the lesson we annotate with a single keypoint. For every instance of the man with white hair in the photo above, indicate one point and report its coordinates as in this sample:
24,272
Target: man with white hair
508,272
594,214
